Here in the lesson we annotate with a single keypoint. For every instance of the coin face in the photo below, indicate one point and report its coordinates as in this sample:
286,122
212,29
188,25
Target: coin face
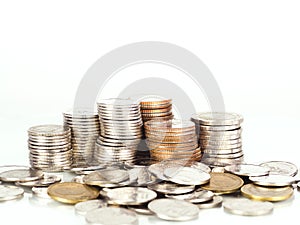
171,188
83,207
273,180
281,167
43,182
224,183
217,118
48,130
246,207
267,194
111,216
41,192
8,192
215,202
174,210
21,175
247,170
72,193
197,196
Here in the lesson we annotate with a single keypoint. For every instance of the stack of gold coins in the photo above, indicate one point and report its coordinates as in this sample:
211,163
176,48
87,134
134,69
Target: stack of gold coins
121,130
152,108
172,139
50,147
220,137
85,129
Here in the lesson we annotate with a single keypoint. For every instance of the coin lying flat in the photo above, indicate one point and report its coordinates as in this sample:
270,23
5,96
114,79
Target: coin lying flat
41,192
8,192
170,188
12,167
21,175
72,193
130,195
247,170
174,210
267,194
224,183
217,118
273,180
215,202
197,196
246,207
218,169
83,207
281,167
44,182
111,216
140,209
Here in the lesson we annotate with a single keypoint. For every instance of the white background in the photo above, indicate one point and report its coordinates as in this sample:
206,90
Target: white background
251,47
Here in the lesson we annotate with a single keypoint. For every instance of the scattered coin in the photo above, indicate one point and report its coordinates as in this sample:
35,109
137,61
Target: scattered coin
281,167
198,196
215,202
273,180
248,170
72,193
171,188
140,209
21,175
111,216
174,210
8,192
218,169
267,194
46,181
82,208
246,207
12,167
41,192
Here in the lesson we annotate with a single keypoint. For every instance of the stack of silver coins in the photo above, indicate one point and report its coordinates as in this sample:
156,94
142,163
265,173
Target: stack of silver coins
220,137
172,139
85,129
50,147
121,130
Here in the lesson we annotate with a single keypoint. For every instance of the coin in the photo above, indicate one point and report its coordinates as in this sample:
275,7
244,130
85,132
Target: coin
48,130
140,209
215,202
72,193
41,192
12,167
198,196
130,195
111,216
187,176
43,182
174,210
247,170
219,169
82,208
281,167
21,175
267,194
273,180
217,118
246,207
170,188
8,192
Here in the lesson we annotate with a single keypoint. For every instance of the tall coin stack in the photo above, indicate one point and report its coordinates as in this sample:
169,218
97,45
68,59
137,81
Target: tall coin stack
156,109
85,129
121,130
172,140
220,137
50,147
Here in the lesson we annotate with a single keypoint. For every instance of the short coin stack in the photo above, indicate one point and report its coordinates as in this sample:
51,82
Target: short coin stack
121,130
50,147
172,139
156,109
220,137
85,129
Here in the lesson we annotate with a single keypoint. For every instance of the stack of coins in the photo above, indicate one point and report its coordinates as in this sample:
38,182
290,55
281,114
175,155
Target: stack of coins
121,130
172,139
85,129
156,109
220,137
50,147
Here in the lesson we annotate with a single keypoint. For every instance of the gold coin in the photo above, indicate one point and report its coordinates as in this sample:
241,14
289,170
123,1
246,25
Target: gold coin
72,193
224,183
266,193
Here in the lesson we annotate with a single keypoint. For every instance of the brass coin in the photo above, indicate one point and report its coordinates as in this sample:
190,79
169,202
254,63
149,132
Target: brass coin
267,194
72,193
224,183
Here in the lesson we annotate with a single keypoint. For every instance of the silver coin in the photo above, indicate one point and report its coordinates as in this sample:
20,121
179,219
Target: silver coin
159,168
221,143
218,169
225,156
10,193
187,176
106,178
78,179
221,151
43,182
281,167
198,196
41,192
131,195
246,207
111,216
21,175
12,167
141,209
220,138
48,130
218,128
221,133
201,166
217,118
174,210
247,170
171,188
222,162
273,180
215,202
82,208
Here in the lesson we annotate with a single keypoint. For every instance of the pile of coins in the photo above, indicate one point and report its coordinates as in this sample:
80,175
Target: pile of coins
220,137
85,129
172,139
50,147
156,109
121,130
